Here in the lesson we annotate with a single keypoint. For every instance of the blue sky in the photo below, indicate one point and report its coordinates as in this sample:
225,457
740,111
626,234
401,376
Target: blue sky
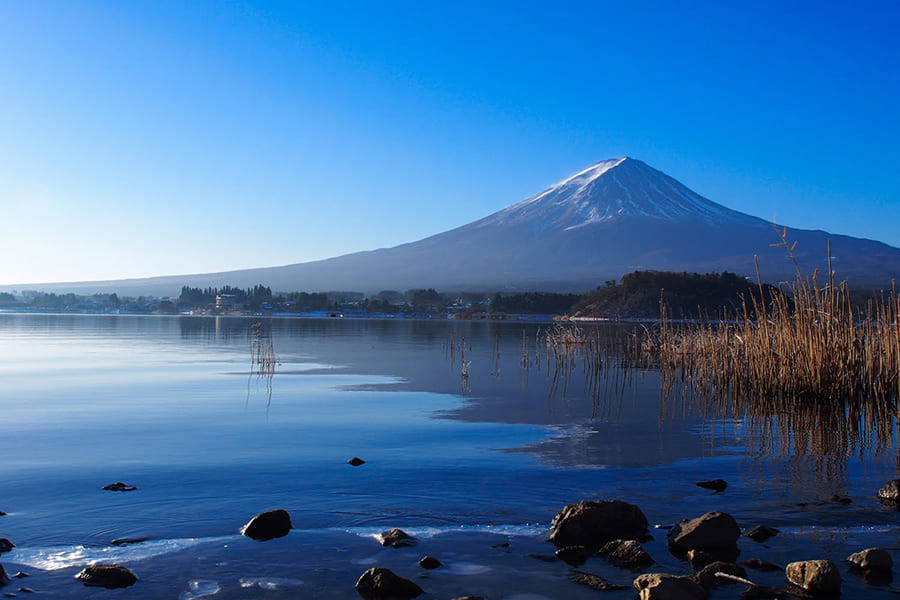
153,138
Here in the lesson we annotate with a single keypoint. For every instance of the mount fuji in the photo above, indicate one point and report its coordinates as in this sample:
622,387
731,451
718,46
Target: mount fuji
612,218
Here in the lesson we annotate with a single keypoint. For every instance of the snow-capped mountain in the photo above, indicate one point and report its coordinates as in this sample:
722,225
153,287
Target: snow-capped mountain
612,218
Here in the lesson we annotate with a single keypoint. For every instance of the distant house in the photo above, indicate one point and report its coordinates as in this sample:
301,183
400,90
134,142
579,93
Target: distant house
226,302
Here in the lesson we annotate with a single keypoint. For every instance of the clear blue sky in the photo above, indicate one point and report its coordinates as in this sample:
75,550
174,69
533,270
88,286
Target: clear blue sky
152,138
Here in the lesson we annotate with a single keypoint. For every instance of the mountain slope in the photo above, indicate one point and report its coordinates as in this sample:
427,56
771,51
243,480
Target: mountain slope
612,218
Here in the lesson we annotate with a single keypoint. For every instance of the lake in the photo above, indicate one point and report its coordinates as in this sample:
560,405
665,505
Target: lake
466,464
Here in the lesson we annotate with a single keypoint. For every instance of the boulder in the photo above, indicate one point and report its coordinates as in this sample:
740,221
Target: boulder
717,485
890,492
6,545
379,583
573,555
4,578
872,559
818,577
759,564
356,461
268,525
593,523
626,553
700,558
595,582
711,531
660,586
430,562
707,575
108,576
119,487
396,538
760,533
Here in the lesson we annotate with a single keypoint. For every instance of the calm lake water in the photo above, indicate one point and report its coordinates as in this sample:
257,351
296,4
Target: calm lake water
169,405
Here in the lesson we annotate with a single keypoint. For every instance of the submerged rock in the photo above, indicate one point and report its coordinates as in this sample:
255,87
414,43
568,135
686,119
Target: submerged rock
356,461
4,578
268,525
626,553
573,555
759,564
430,562
711,531
2,514
595,582
396,538
871,559
661,586
818,577
128,541
760,533
717,485
593,523
707,576
119,487
6,545
108,576
379,583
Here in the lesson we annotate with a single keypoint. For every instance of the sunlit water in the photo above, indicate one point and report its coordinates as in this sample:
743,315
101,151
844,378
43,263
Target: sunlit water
169,405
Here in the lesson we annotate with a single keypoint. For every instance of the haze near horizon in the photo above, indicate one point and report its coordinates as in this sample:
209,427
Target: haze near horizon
147,139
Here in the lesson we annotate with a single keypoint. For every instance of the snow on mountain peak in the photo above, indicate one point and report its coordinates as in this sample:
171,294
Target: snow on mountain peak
611,189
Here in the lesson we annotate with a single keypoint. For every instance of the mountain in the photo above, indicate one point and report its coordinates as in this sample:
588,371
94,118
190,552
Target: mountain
612,218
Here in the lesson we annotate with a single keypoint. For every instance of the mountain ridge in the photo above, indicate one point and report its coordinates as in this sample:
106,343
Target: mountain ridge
614,217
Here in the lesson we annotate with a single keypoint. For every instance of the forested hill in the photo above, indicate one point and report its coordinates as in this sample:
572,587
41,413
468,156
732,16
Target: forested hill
686,295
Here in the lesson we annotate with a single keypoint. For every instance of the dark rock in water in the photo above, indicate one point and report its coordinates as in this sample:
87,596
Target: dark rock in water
396,538
718,485
4,578
818,577
890,491
711,531
119,487
765,592
108,576
661,586
268,525
543,557
700,558
596,582
20,575
593,523
2,514
8,595
871,559
379,583
707,576
840,499
26,590
500,545
626,553
573,555
758,564
128,541
6,545
356,461
469,598
430,562
760,533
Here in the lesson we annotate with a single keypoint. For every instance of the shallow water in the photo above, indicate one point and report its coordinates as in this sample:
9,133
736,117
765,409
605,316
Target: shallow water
169,405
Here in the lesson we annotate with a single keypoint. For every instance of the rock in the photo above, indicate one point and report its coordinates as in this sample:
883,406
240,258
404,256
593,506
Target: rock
379,583
128,541
718,485
765,592
840,499
819,577
707,576
6,545
500,545
356,461
595,582
760,533
108,576
119,487
2,514
548,558
872,559
4,578
268,525
430,562
711,531
700,558
593,523
573,555
890,491
20,575
626,553
26,590
660,586
759,564
396,538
